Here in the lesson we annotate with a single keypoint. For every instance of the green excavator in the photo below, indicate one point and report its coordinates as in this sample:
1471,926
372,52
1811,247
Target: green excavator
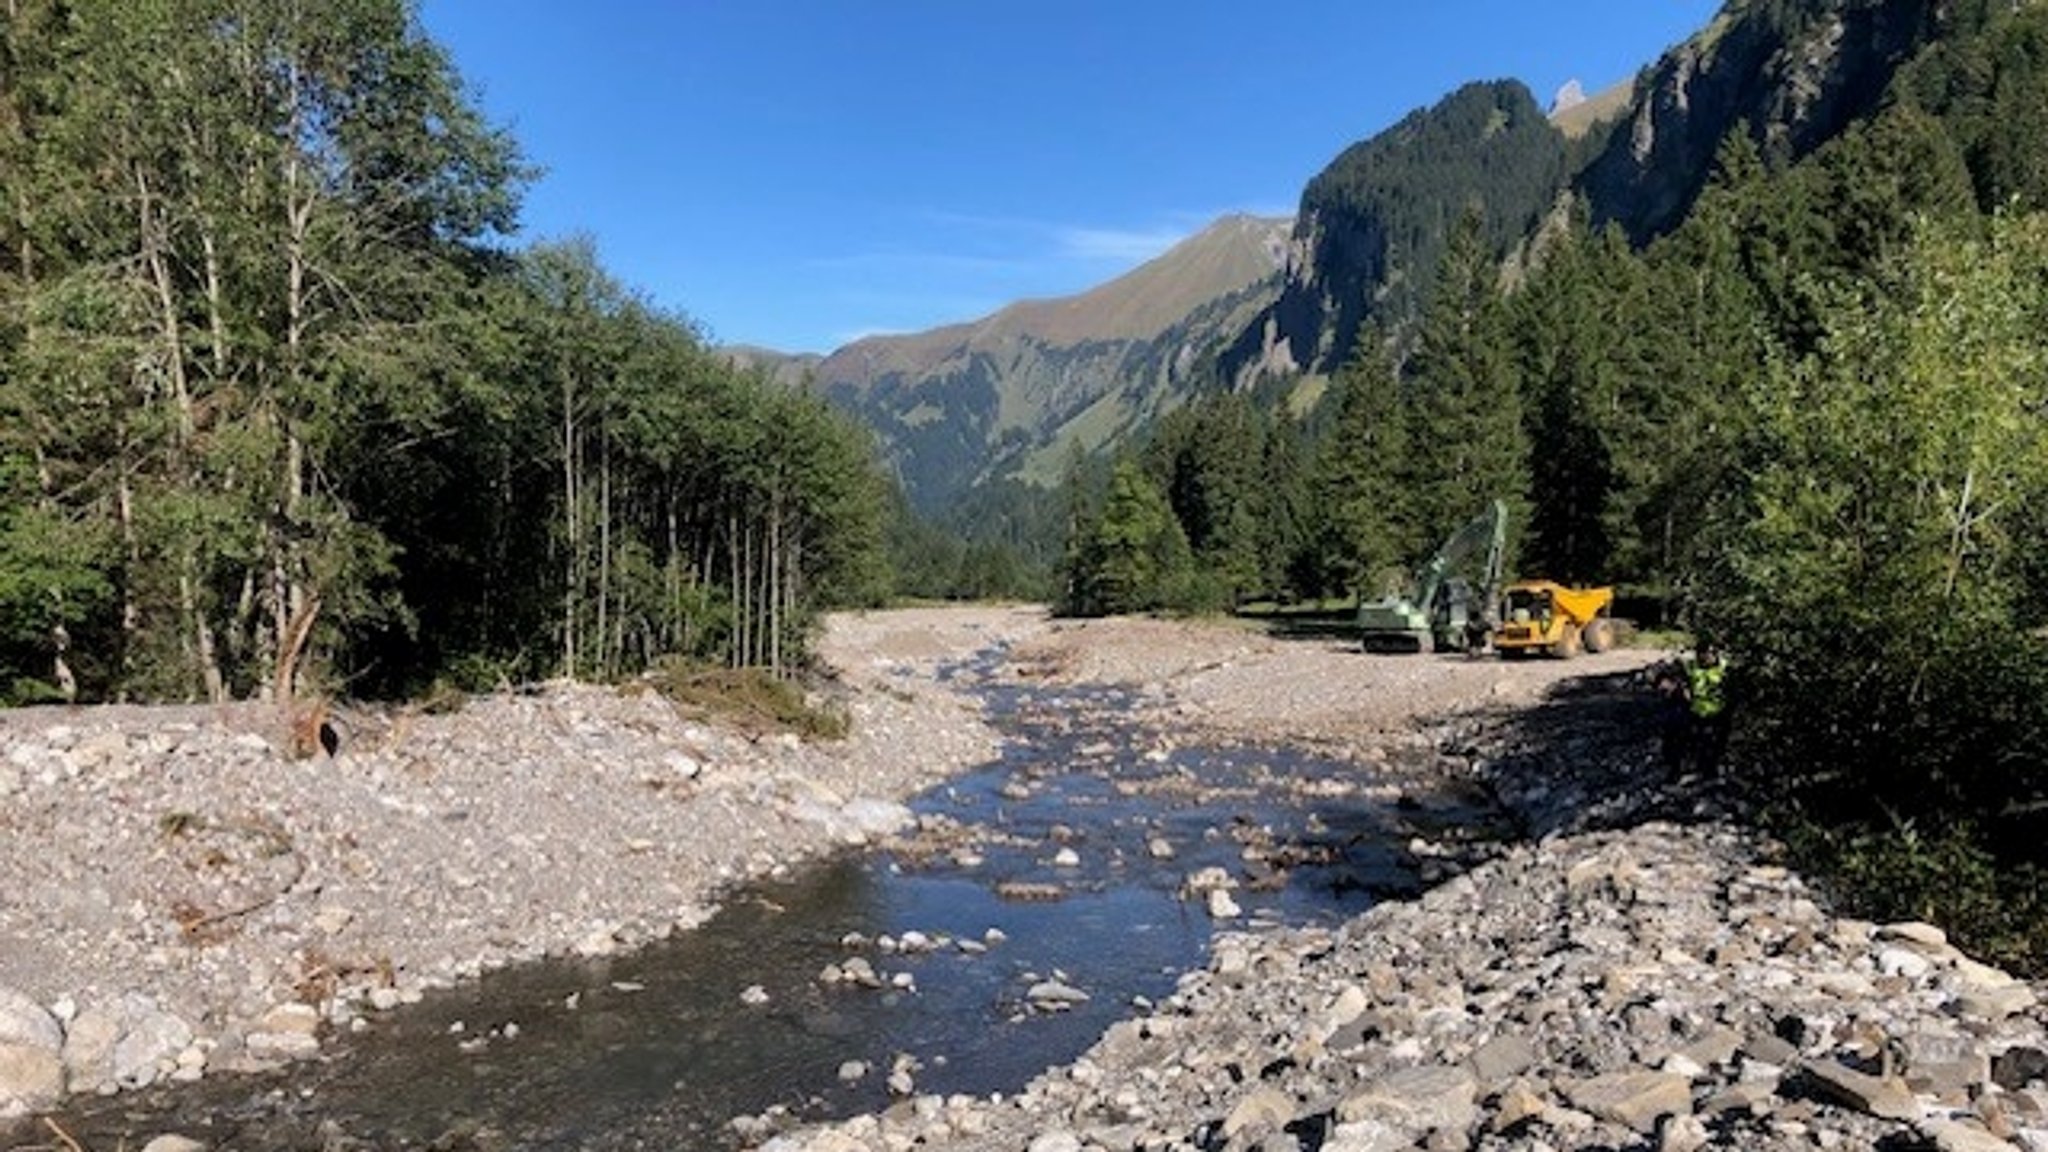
1450,608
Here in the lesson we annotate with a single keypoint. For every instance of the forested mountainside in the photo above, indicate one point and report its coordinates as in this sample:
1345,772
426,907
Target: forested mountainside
1373,225
280,411
1805,422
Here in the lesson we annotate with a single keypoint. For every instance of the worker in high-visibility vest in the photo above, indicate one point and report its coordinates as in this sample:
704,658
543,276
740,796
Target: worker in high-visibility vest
1706,703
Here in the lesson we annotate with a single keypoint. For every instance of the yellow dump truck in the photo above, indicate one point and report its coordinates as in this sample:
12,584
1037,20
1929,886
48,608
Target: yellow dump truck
1545,616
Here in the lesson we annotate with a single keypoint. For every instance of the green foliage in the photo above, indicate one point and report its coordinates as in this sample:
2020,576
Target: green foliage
1132,555
1388,207
262,363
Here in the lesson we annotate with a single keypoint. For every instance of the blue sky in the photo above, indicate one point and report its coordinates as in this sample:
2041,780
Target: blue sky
799,173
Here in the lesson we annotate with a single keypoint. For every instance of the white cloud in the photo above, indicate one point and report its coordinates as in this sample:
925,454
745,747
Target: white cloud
1123,245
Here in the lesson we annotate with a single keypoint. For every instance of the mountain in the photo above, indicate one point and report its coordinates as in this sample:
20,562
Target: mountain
1372,224
1265,304
1792,74
1003,396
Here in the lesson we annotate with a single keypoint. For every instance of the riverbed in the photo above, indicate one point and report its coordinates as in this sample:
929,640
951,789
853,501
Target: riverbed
1036,900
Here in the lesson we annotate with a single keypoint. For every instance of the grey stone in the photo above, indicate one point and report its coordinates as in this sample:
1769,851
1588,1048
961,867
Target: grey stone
125,1043
1714,1047
1887,1098
1683,1133
2014,1068
1997,1003
1054,994
1419,1099
31,1079
1055,1142
1937,1062
149,1048
174,1143
1956,1136
25,1022
1266,1110
1917,933
1368,1136
1634,1099
1502,1058
1768,1049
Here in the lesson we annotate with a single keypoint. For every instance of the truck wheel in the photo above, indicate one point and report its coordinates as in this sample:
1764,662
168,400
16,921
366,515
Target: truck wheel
1567,646
1599,635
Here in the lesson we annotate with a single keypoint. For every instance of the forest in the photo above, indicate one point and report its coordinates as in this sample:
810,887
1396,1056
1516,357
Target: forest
283,409
1809,425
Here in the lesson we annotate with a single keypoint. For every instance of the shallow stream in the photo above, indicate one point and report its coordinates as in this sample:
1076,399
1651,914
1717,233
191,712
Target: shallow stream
660,1049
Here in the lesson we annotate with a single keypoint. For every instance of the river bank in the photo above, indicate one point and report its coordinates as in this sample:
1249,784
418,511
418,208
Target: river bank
1639,973
1615,945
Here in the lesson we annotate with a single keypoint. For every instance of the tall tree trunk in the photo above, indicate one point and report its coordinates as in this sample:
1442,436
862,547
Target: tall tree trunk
288,591
572,569
154,235
604,549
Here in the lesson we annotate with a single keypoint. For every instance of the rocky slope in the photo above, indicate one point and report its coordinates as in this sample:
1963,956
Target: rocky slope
1005,394
1789,75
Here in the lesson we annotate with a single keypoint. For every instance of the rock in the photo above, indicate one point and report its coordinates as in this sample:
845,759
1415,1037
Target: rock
1918,934
333,920
853,1070
1635,1099
1887,1098
1995,1004
1516,1105
128,1043
31,1079
1159,848
1052,995
1682,1134
1056,1141
170,1143
875,817
1264,1112
1502,1058
1938,1063
2015,1067
1904,962
1421,1099
1368,1136
286,1032
1066,858
1221,906
753,995
1956,1136
25,1022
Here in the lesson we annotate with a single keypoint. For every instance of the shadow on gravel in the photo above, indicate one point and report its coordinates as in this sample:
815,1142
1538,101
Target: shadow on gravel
1591,755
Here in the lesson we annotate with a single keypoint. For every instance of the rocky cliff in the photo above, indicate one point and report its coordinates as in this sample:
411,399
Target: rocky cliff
1791,74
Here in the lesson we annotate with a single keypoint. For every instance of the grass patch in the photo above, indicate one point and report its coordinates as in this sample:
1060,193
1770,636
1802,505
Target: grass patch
750,699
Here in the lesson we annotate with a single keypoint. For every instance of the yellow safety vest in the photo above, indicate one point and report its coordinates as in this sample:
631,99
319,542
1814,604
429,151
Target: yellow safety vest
1703,685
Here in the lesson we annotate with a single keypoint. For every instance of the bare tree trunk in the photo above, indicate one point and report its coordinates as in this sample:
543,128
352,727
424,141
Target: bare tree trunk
288,592
774,596
155,239
572,572
604,550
